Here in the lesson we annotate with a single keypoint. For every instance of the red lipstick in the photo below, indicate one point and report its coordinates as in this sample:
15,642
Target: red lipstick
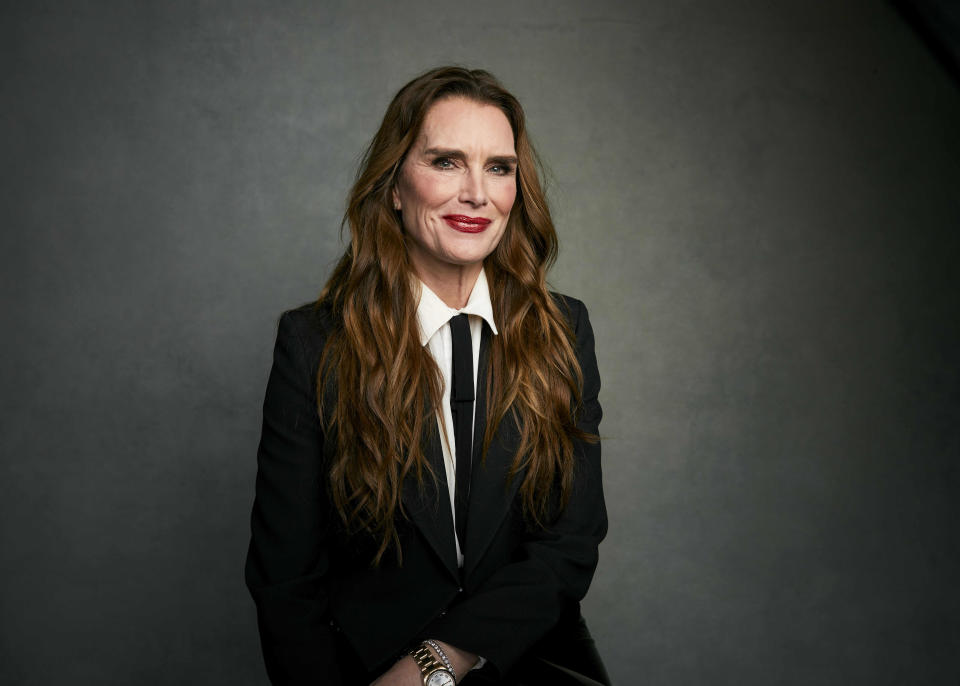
465,224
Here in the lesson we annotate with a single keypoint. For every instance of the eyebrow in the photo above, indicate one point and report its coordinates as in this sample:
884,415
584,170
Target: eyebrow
460,155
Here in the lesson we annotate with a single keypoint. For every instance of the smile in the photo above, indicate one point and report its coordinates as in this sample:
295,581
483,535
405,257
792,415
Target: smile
466,224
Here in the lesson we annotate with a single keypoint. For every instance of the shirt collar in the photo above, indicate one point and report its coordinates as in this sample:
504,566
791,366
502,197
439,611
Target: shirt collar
432,312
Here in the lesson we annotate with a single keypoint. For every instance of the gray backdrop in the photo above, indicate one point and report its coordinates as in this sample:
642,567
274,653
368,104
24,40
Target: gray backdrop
757,200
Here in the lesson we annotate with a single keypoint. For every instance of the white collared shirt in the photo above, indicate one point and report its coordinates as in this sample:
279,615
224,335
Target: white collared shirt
433,316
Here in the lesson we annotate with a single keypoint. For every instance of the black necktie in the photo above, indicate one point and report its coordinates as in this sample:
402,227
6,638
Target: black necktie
461,405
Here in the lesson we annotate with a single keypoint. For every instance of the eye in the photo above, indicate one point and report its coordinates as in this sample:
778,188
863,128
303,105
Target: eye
502,169
443,163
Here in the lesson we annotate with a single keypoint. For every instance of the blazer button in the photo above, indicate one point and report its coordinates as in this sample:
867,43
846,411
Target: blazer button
443,613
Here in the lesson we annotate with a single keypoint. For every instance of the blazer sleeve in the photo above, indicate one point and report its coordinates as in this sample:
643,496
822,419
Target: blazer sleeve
520,602
288,557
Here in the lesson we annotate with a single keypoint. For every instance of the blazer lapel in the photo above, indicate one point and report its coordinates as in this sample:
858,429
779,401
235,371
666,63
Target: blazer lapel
490,495
428,503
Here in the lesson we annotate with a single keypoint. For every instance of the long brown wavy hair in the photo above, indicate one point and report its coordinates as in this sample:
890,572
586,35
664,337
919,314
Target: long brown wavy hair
388,387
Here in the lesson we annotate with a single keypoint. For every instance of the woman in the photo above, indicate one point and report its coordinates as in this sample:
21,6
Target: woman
429,501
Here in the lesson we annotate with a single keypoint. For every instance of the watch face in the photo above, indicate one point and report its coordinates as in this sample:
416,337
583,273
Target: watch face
441,678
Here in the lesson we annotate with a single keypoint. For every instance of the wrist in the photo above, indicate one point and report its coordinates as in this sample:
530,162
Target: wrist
441,655
462,660
433,671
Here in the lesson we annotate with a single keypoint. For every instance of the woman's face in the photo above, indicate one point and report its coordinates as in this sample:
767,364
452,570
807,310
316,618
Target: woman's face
456,189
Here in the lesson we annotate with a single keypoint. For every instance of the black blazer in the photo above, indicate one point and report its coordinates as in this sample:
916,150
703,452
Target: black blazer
317,597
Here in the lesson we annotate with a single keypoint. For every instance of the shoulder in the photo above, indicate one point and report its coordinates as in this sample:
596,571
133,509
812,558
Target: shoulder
311,323
571,308
576,315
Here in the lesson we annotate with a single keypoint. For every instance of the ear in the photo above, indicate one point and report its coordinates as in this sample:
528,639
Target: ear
396,198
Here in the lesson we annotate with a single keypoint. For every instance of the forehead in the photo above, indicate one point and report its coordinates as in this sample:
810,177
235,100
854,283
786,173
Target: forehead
460,123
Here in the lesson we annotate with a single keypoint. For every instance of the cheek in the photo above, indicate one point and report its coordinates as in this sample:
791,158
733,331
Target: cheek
426,190
505,198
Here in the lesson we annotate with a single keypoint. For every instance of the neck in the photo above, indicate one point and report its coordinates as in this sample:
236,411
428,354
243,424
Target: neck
452,286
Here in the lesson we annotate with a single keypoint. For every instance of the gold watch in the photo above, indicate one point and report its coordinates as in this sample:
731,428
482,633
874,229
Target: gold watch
432,671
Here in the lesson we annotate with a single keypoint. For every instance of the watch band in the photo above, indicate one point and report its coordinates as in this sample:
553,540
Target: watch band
443,657
431,671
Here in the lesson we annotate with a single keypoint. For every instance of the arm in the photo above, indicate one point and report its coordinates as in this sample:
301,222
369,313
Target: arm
521,601
405,671
288,557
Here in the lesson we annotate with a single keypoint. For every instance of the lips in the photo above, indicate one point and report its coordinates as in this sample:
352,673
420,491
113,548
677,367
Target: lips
465,224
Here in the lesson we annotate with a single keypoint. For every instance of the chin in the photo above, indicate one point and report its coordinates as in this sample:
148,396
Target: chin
471,256
469,260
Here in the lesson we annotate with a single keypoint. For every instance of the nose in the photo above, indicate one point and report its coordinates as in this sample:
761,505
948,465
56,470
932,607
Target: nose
472,189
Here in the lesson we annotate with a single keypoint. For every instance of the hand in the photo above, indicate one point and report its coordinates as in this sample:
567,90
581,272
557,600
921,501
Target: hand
403,673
